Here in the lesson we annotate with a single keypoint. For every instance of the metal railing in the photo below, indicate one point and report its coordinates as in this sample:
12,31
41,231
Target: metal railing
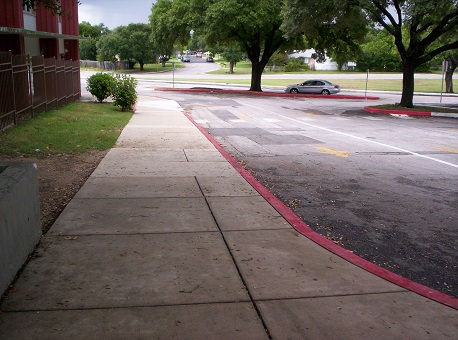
33,85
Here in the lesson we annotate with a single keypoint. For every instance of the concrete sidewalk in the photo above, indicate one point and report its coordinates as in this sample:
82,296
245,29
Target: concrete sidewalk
166,240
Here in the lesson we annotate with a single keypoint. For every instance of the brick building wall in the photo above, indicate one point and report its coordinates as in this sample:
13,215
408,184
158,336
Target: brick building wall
56,36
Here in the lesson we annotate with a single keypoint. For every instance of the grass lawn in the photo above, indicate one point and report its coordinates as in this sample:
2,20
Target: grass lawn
74,128
156,67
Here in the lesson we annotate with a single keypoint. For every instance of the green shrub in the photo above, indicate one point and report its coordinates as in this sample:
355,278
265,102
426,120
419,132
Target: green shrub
124,92
100,85
295,65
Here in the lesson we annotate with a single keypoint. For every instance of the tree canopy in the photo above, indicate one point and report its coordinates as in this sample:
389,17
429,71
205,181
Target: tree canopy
90,34
417,26
378,53
233,54
334,27
170,25
53,5
107,47
92,31
252,24
128,43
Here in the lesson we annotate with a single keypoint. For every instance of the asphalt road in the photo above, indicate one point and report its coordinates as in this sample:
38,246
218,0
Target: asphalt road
384,187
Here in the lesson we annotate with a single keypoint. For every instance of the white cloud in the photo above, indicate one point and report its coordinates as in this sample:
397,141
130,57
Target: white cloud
113,13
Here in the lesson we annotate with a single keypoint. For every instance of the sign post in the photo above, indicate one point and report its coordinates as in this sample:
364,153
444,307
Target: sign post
367,79
173,74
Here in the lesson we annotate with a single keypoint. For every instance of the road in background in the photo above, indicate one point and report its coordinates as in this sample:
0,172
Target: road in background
198,68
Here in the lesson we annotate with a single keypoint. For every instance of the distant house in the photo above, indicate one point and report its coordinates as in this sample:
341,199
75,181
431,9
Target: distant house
39,32
328,65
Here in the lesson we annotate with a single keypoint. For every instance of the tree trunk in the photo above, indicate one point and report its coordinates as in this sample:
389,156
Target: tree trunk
449,81
259,57
141,65
231,67
408,77
256,75
452,64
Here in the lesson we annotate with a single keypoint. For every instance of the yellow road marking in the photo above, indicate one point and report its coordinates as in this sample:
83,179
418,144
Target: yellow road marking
243,115
447,149
333,152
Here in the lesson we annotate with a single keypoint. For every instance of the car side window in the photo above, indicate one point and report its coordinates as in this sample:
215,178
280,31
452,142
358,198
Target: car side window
308,83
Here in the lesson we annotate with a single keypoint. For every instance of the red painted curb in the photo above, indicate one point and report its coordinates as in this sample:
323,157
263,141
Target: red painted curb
265,94
308,232
399,112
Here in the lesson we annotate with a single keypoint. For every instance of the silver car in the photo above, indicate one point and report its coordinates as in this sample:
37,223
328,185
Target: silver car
314,86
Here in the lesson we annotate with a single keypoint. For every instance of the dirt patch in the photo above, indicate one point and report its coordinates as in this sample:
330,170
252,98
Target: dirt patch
60,177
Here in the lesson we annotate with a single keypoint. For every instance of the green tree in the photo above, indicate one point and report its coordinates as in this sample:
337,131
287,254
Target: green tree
279,58
108,47
233,54
134,44
88,49
253,25
169,25
90,34
127,43
378,53
92,31
451,60
417,26
333,27
197,42
452,64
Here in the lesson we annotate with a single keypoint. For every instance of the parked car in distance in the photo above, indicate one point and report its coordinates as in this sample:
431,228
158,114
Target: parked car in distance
209,60
186,58
314,86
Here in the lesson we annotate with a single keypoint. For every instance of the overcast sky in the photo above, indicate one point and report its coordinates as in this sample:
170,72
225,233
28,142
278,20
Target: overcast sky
114,13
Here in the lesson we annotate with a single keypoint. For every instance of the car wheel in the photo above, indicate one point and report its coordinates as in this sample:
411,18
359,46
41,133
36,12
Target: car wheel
293,91
325,92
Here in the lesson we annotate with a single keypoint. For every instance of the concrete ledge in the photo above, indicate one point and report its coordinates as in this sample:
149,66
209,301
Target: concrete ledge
444,114
20,228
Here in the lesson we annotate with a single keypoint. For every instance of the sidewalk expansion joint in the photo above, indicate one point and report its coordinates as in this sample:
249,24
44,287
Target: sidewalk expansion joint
133,234
310,297
252,300
185,155
258,229
125,307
